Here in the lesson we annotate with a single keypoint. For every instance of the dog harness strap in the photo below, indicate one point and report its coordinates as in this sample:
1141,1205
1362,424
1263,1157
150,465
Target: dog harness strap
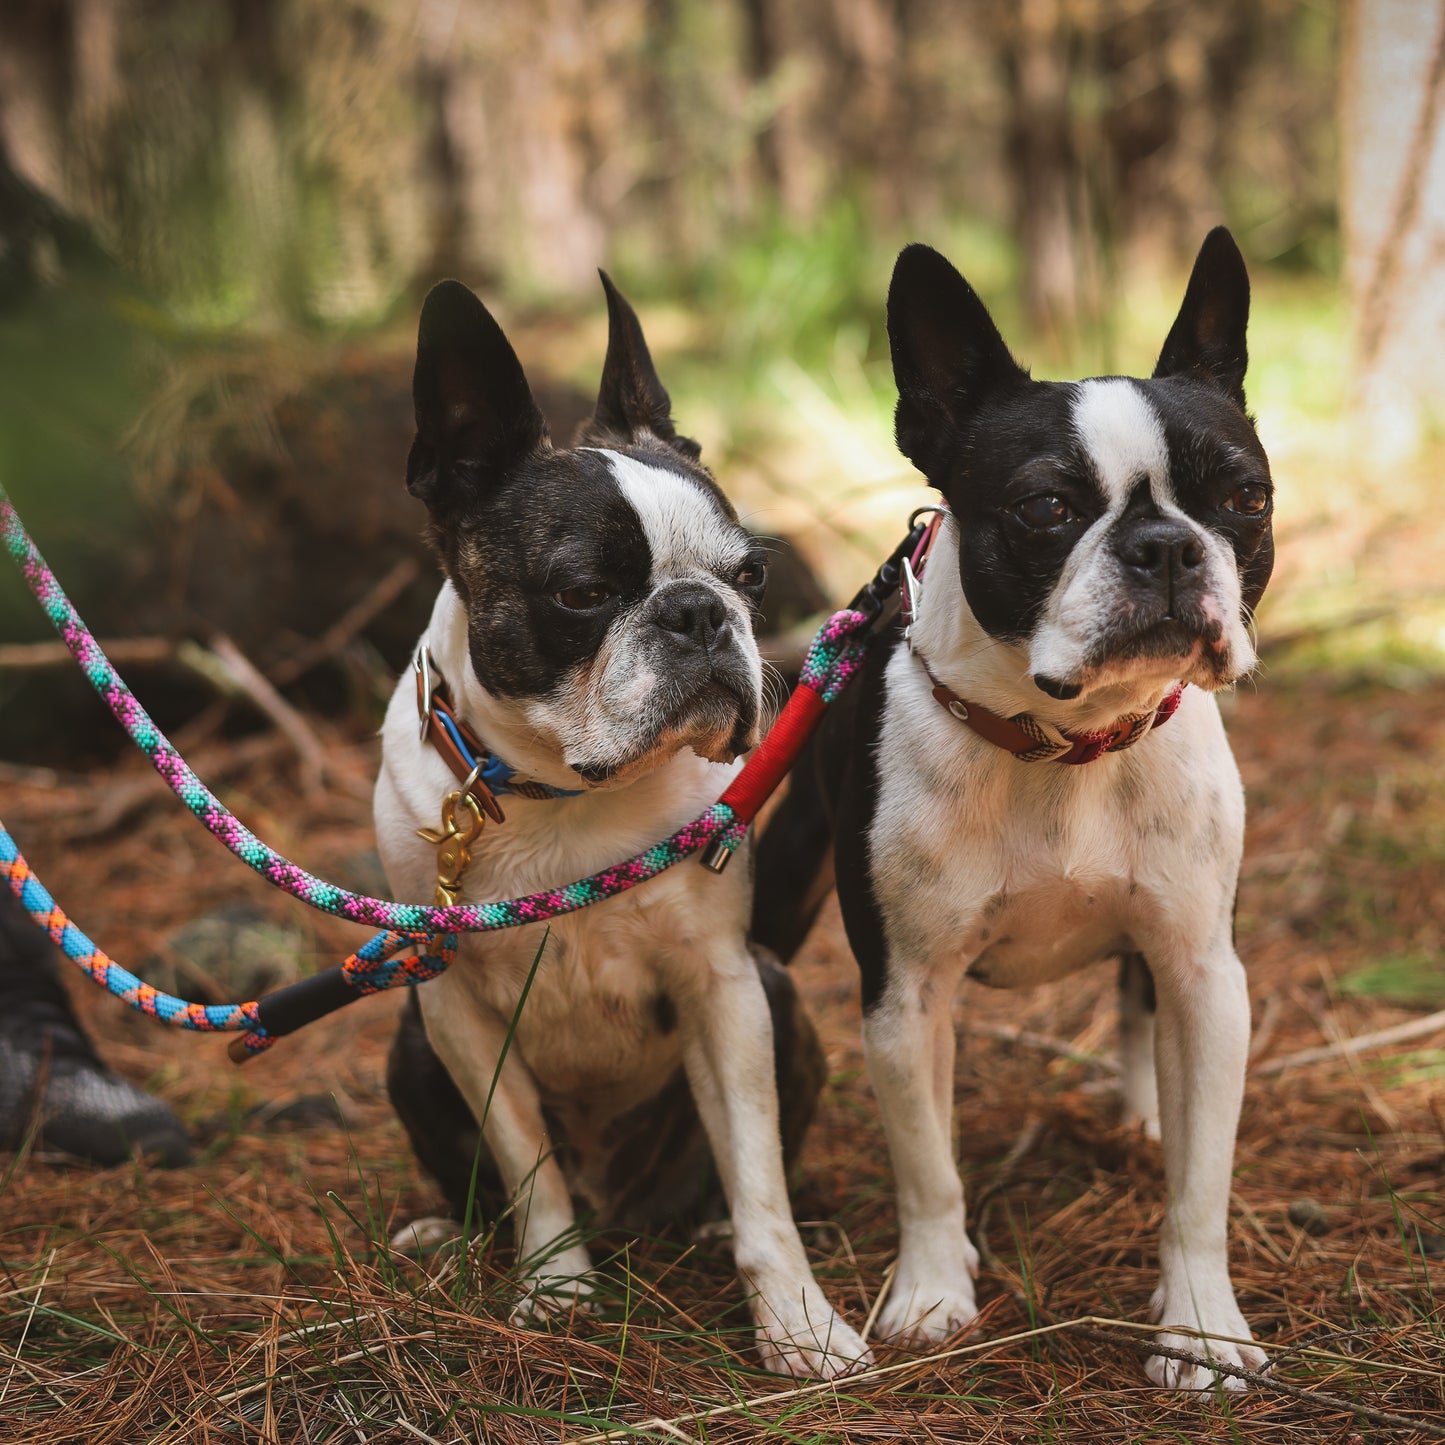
1032,741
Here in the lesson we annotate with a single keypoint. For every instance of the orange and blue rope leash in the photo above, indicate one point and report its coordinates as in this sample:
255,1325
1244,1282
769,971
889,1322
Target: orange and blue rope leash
831,663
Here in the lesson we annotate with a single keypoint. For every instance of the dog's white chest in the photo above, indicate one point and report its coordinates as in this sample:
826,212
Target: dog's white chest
1048,931
1021,873
601,1016
600,1020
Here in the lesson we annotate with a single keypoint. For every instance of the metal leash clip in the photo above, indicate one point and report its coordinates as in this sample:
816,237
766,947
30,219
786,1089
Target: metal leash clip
462,822
421,670
911,566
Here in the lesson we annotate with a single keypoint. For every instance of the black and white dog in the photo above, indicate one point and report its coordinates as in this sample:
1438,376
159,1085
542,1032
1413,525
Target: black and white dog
1102,542
595,631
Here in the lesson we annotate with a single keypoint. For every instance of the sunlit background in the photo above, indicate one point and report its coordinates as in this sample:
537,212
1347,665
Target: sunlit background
217,218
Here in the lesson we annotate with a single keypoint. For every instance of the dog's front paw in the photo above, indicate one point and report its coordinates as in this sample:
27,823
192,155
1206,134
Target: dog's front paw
931,1296
1133,1116
559,1285
1224,1326
1172,1374
926,1313
424,1235
808,1339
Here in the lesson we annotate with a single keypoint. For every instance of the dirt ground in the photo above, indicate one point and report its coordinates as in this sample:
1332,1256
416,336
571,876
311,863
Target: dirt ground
247,1297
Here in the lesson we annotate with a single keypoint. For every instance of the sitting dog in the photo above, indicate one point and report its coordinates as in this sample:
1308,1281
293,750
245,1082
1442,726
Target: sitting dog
590,657
1091,580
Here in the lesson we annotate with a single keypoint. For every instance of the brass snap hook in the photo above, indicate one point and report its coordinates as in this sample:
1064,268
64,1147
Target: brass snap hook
462,821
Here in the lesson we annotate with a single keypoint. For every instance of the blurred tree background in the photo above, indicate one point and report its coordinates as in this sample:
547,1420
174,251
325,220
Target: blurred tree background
217,218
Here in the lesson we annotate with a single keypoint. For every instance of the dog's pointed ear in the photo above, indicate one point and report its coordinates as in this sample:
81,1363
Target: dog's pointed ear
632,400
475,416
1207,338
947,355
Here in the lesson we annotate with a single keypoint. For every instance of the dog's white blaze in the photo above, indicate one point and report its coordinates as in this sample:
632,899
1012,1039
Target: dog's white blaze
687,534
1124,438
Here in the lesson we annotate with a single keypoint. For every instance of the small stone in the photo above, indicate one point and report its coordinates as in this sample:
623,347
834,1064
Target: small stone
1309,1215
239,949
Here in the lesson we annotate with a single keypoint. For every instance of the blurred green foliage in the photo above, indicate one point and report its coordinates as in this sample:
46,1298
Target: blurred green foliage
1414,979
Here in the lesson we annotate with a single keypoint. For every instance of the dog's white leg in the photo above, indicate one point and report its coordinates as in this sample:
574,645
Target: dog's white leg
1202,1040
910,1044
728,1053
1139,1094
469,1040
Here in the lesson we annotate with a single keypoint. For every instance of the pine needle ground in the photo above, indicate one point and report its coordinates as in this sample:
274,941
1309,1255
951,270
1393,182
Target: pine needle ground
252,1297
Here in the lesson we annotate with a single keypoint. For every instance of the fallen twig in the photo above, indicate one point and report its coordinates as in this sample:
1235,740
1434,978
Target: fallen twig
1360,617
28,777
118,803
1361,1043
350,623
1027,1138
123,651
247,678
1044,1043
1320,1398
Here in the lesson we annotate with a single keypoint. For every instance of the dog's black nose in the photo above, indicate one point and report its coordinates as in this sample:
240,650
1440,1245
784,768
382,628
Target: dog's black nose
1163,550
694,615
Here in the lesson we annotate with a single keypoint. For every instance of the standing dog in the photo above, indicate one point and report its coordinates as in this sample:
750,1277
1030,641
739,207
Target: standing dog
1102,543
595,631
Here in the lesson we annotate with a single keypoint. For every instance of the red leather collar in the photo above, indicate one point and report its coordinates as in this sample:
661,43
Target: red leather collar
1032,741
1023,735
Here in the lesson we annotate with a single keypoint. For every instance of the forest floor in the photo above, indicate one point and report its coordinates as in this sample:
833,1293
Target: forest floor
251,1296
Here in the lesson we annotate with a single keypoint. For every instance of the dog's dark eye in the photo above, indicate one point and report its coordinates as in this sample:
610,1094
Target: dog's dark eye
582,599
752,574
1044,511
1249,501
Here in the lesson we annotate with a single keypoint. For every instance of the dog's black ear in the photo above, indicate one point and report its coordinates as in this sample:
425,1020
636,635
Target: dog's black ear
631,400
947,355
1207,338
475,416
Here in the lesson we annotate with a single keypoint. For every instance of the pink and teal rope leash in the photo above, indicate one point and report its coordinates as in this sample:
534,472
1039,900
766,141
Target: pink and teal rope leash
832,661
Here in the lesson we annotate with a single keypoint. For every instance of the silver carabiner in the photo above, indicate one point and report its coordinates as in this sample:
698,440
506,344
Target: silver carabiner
421,668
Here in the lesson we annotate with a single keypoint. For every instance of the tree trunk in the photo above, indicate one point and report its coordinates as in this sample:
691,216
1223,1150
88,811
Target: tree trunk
1393,101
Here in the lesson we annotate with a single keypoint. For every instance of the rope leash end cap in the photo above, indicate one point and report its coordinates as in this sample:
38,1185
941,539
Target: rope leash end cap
716,856
237,1049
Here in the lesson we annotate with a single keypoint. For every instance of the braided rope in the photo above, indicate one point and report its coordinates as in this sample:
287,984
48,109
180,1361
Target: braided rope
831,663
409,918
103,969
369,970
835,654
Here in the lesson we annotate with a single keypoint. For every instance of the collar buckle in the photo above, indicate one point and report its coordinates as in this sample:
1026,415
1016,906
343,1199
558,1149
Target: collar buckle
421,666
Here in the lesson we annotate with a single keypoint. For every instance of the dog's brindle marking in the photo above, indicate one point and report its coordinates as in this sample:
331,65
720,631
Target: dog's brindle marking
1105,538
595,630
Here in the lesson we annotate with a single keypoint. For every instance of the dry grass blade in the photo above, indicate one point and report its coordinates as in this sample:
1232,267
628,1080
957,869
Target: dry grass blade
25,1330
